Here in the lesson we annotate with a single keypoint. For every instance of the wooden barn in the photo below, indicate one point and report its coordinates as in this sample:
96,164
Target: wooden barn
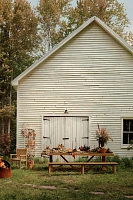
85,80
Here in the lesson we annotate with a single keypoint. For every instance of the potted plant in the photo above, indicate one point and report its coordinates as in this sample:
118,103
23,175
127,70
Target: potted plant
102,136
130,145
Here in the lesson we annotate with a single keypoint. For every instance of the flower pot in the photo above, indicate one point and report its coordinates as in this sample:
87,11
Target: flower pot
5,172
30,164
102,150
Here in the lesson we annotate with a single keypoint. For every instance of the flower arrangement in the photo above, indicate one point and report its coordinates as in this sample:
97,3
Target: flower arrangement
102,135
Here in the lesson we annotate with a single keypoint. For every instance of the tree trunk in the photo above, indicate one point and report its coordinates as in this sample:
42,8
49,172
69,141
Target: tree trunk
9,124
2,125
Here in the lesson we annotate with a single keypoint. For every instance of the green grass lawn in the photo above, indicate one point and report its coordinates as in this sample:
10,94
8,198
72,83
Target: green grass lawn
37,184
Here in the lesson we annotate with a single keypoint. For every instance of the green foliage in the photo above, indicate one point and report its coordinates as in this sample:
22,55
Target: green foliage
129,38
5,79
115,159
19,47
52,15
123,163
18,34
59,18
126,163
130,145
110,11
5,143
6,111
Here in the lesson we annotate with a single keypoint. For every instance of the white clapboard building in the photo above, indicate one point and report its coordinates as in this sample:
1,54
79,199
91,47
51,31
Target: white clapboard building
85,80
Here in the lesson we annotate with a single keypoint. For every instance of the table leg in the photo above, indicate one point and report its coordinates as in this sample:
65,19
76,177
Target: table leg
68,162
51,158
50,169
114,169
90,158
103,160
82,169
64,158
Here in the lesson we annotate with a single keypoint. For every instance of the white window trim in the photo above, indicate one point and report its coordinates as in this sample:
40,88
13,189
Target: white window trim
124,146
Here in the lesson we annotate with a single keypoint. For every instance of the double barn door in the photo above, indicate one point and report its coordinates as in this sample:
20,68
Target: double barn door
72,132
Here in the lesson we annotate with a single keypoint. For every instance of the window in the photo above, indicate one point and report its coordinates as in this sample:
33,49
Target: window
127,130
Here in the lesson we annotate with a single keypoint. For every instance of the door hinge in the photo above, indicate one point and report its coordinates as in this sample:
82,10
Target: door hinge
46,119
85,119
86,137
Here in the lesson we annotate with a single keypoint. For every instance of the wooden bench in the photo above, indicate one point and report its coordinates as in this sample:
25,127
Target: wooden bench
82,164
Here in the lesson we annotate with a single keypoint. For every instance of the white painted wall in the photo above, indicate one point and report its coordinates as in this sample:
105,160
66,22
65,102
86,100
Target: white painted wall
90,75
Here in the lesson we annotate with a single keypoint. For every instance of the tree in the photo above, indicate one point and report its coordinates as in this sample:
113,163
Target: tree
110,11
129,38
5,143
18,33
6,109
52,15
19,41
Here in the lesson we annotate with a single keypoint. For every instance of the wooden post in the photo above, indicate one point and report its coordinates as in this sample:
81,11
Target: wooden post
114,169
51,158
103,166
50,169
103,159
82,169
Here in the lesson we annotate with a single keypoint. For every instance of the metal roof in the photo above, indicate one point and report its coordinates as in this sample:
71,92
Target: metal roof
58,46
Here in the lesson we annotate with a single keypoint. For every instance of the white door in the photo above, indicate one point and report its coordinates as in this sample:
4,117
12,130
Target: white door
72,132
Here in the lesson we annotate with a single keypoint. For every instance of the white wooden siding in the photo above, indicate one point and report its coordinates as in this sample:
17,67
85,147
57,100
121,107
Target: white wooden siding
91,74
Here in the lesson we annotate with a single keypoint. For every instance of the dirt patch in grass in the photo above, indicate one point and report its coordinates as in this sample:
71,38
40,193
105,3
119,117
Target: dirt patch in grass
32,185
97,192
47,187
129,197
42,186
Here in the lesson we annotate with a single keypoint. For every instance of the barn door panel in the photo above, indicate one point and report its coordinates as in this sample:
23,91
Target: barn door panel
72,132
53,128
82,131
85,135
46,141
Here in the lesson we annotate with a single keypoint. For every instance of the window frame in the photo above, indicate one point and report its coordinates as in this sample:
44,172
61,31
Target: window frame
122,119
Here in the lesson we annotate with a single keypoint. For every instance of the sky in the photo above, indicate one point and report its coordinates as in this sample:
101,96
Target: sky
128,5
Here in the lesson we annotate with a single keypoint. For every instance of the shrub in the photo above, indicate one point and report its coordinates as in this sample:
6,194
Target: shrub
5,143
128,162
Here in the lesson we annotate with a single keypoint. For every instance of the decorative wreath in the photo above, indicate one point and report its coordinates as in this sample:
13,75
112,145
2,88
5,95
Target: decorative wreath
28,133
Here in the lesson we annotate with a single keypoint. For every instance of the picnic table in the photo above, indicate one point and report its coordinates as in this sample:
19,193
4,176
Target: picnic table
73,165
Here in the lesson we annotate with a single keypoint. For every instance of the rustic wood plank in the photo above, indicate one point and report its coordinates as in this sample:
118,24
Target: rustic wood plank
82,164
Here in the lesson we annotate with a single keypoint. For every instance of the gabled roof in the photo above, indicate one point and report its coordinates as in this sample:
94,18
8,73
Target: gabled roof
58,46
